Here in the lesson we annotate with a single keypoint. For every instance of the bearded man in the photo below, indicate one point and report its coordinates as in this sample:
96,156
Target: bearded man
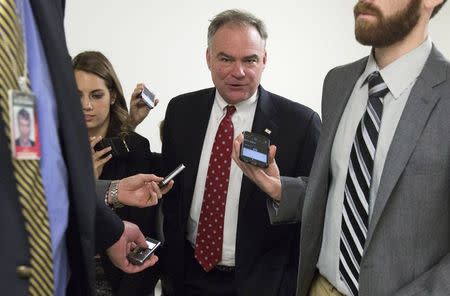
376,212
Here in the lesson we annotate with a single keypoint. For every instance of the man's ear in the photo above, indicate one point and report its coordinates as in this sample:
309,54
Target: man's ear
208,58
264,60
429,5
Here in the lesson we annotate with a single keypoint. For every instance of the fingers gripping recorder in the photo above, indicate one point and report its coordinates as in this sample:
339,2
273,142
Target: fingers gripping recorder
139,255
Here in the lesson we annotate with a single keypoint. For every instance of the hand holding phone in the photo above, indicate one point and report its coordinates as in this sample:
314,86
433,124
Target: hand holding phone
139,255
255,149
119,146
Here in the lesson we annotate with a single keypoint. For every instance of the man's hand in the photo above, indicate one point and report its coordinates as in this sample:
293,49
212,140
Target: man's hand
268,179
138,109
141,190
118,252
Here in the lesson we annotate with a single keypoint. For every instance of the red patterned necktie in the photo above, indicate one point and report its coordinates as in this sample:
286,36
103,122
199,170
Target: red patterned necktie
208,245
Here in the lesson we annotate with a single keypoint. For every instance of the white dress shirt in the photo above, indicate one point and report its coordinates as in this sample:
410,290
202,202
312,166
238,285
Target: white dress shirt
400,77
242,121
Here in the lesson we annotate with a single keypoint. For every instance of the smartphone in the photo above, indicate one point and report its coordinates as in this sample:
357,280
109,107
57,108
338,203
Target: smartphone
255,149
139,255
171,176
119,146
148,97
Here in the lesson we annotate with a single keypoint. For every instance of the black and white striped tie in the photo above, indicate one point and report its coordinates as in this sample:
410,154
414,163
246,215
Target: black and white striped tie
355,212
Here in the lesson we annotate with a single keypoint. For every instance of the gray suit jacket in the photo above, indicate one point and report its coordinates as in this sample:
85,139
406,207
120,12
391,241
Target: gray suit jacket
408,243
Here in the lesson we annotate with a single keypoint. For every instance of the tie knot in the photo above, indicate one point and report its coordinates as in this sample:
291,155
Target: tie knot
377,86
230,110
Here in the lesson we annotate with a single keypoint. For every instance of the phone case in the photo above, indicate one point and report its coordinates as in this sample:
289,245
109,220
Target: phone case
119,147
255,149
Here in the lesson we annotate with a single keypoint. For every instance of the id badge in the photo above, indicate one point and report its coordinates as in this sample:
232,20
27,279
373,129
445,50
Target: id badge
25,141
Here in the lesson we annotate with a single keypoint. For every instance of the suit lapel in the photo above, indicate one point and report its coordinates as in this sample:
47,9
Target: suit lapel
263,120
201,109
412,122
335,98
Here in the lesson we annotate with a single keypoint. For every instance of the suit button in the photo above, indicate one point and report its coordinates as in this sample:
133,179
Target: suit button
23,271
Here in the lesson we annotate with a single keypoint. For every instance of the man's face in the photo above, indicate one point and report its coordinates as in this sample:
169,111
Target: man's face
381,23
236,59
24,128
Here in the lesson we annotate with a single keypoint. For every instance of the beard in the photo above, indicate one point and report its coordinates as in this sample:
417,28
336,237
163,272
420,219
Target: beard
385,31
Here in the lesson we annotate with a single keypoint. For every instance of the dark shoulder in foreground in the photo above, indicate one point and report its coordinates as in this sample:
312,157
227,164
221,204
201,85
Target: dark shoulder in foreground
195,97
136,138
347,69
139,145
289,109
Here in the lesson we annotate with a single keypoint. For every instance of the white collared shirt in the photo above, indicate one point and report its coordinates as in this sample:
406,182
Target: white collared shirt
400,77
242,121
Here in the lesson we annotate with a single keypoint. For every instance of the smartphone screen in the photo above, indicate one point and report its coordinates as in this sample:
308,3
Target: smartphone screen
254,149
254,153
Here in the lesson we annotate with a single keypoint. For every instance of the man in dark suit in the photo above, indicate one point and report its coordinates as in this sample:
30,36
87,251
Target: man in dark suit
251,257
75,211
375,216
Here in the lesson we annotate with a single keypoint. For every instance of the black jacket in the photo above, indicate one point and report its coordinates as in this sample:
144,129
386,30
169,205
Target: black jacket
139,160
266,255
86,212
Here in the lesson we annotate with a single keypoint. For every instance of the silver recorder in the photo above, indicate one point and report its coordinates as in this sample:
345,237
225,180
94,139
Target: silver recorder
139,255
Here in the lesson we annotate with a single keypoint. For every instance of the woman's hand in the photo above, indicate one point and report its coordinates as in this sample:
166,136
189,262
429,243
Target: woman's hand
138,109
98,157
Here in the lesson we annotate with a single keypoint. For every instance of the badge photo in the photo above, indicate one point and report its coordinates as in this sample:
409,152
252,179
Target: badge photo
25,141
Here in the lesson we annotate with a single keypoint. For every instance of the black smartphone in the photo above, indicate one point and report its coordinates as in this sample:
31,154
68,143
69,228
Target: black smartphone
255,149
171,176
139,255
119,146
148,97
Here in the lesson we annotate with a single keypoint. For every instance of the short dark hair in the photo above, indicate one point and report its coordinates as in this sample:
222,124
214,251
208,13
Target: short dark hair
437,8
238,17
23,113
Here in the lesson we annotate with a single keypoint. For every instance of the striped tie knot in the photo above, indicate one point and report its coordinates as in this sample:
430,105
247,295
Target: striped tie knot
377,90
377,86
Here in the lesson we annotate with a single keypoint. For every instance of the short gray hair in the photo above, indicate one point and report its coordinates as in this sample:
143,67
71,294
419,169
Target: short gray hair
237,17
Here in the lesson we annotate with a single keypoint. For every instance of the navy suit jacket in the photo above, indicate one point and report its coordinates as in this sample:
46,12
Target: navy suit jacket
86,211
265,254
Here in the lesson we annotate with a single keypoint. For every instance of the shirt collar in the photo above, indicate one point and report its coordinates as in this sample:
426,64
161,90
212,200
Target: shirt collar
241,107
401,73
